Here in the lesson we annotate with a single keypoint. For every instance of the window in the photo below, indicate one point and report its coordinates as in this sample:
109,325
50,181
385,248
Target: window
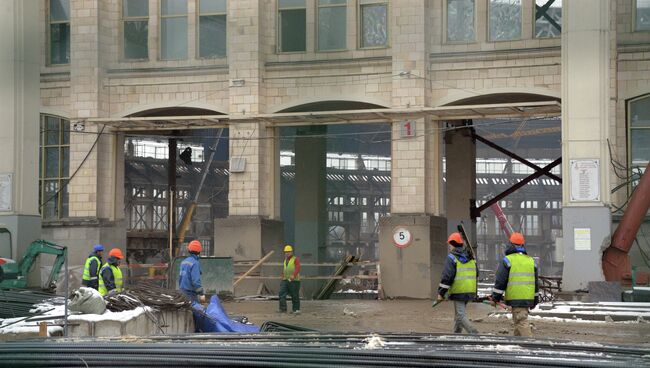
548,18
642,15
460,20
173,29
292,26
639,123
374,23
212,28
55,166
135,18
531,225
332,20
59,31
505,20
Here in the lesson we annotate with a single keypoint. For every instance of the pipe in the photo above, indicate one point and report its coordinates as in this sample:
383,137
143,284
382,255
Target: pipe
616,262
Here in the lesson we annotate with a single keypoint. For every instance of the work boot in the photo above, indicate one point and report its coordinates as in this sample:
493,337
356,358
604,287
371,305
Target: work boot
296,312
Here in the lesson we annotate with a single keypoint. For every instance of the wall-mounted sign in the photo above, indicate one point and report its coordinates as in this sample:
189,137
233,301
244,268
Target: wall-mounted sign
5,192
407,129
585,180
402,237
582,238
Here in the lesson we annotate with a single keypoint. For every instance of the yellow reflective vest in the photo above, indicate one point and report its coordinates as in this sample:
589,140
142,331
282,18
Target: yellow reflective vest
117,277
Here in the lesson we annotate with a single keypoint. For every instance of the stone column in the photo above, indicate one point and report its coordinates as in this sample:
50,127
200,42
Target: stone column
587,51
19,101
460,192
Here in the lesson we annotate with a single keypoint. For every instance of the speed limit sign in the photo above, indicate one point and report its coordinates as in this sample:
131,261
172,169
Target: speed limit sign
402,237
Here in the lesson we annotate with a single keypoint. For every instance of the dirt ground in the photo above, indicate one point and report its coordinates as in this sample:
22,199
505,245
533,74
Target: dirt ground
418,316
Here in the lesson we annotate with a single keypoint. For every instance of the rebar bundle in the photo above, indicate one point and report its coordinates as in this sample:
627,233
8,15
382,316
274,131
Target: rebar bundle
147,294
18,303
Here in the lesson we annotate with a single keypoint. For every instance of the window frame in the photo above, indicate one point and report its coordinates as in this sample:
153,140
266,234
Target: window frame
634,30
318,7
534,37
445,24
59,179
161,17
278,28
124,19
489,22
360,5
628,113
198,32
49,34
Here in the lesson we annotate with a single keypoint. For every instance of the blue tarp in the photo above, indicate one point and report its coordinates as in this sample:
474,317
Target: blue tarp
215,319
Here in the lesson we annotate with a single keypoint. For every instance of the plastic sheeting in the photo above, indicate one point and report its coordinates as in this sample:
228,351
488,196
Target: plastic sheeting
215,319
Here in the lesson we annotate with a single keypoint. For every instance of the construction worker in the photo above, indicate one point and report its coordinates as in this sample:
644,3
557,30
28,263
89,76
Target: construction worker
90,277
459,280
110,275
290,281
189,279
517,278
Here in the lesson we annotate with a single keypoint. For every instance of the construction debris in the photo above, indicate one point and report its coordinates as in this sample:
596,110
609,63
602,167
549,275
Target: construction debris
150,295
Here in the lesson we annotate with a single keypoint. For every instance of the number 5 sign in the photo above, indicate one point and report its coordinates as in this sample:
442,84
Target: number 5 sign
402,237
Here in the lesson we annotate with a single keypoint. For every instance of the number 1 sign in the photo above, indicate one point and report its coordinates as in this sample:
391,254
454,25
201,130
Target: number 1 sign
407,128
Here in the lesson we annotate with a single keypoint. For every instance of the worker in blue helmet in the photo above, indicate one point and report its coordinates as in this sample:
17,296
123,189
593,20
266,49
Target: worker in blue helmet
90,276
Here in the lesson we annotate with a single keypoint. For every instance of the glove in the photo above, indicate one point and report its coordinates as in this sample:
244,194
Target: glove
202,299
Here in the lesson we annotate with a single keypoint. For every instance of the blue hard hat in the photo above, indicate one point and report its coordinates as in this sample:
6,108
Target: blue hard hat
98,248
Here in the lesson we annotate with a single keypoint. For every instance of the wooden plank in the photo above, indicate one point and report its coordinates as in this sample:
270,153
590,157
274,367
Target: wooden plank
42,329
359,264
361,277
259,263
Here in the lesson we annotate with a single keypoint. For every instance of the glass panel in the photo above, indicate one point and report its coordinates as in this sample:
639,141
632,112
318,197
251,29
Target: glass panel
640,113
212,36
173,7
65,162
52,162
642,15
59,10
548,23
50,208
291,4
293,30
136,34
332,28
135,8
174,38
212,6
460,20
640,147
65,199
505,20
52,133
331,2
66,132
60,43
374,24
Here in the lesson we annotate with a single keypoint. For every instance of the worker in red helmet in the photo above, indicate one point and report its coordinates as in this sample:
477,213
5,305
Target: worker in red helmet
459,280
189,279
517,278
110,275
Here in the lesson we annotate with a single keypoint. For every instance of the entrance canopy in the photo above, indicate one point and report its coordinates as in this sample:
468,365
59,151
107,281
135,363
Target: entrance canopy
506,110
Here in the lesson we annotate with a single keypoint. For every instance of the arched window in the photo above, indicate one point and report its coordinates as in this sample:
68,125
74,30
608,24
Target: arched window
54,161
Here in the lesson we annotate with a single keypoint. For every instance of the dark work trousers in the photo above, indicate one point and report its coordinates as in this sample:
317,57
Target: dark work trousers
292,288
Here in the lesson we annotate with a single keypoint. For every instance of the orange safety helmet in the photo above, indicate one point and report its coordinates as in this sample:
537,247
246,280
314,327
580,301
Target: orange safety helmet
456,238
517,239
194,246
117,253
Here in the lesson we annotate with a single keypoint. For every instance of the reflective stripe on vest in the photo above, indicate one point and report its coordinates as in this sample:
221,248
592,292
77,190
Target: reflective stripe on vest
117,277
465,280
289,268
86,274
521,281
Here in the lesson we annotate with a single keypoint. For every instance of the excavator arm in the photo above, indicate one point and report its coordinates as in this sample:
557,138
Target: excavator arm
43,247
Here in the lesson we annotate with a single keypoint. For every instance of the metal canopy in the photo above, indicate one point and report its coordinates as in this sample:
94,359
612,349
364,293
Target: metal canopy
507,110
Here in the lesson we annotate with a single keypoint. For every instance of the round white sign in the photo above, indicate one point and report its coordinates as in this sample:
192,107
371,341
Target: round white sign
402,237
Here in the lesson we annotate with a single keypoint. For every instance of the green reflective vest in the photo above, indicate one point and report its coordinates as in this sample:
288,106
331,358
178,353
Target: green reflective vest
289,268
465,280
86,275
117,276
521,281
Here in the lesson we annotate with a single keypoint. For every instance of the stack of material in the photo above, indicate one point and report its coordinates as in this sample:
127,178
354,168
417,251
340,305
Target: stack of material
150,295
603,311
328,288
18,303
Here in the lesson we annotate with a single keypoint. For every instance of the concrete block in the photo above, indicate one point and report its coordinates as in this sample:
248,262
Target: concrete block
604,291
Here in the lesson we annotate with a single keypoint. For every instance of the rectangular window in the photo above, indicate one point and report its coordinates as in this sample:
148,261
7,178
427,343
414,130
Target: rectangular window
374,23
332,21
173,29
642,15
548,18
59,31
460,21
292,26
135,18
505,20
639,123
212,28
55,166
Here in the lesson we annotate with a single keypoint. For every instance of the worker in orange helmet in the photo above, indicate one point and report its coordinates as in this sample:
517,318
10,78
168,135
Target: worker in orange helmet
459,279
189,279
110,275
517,278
